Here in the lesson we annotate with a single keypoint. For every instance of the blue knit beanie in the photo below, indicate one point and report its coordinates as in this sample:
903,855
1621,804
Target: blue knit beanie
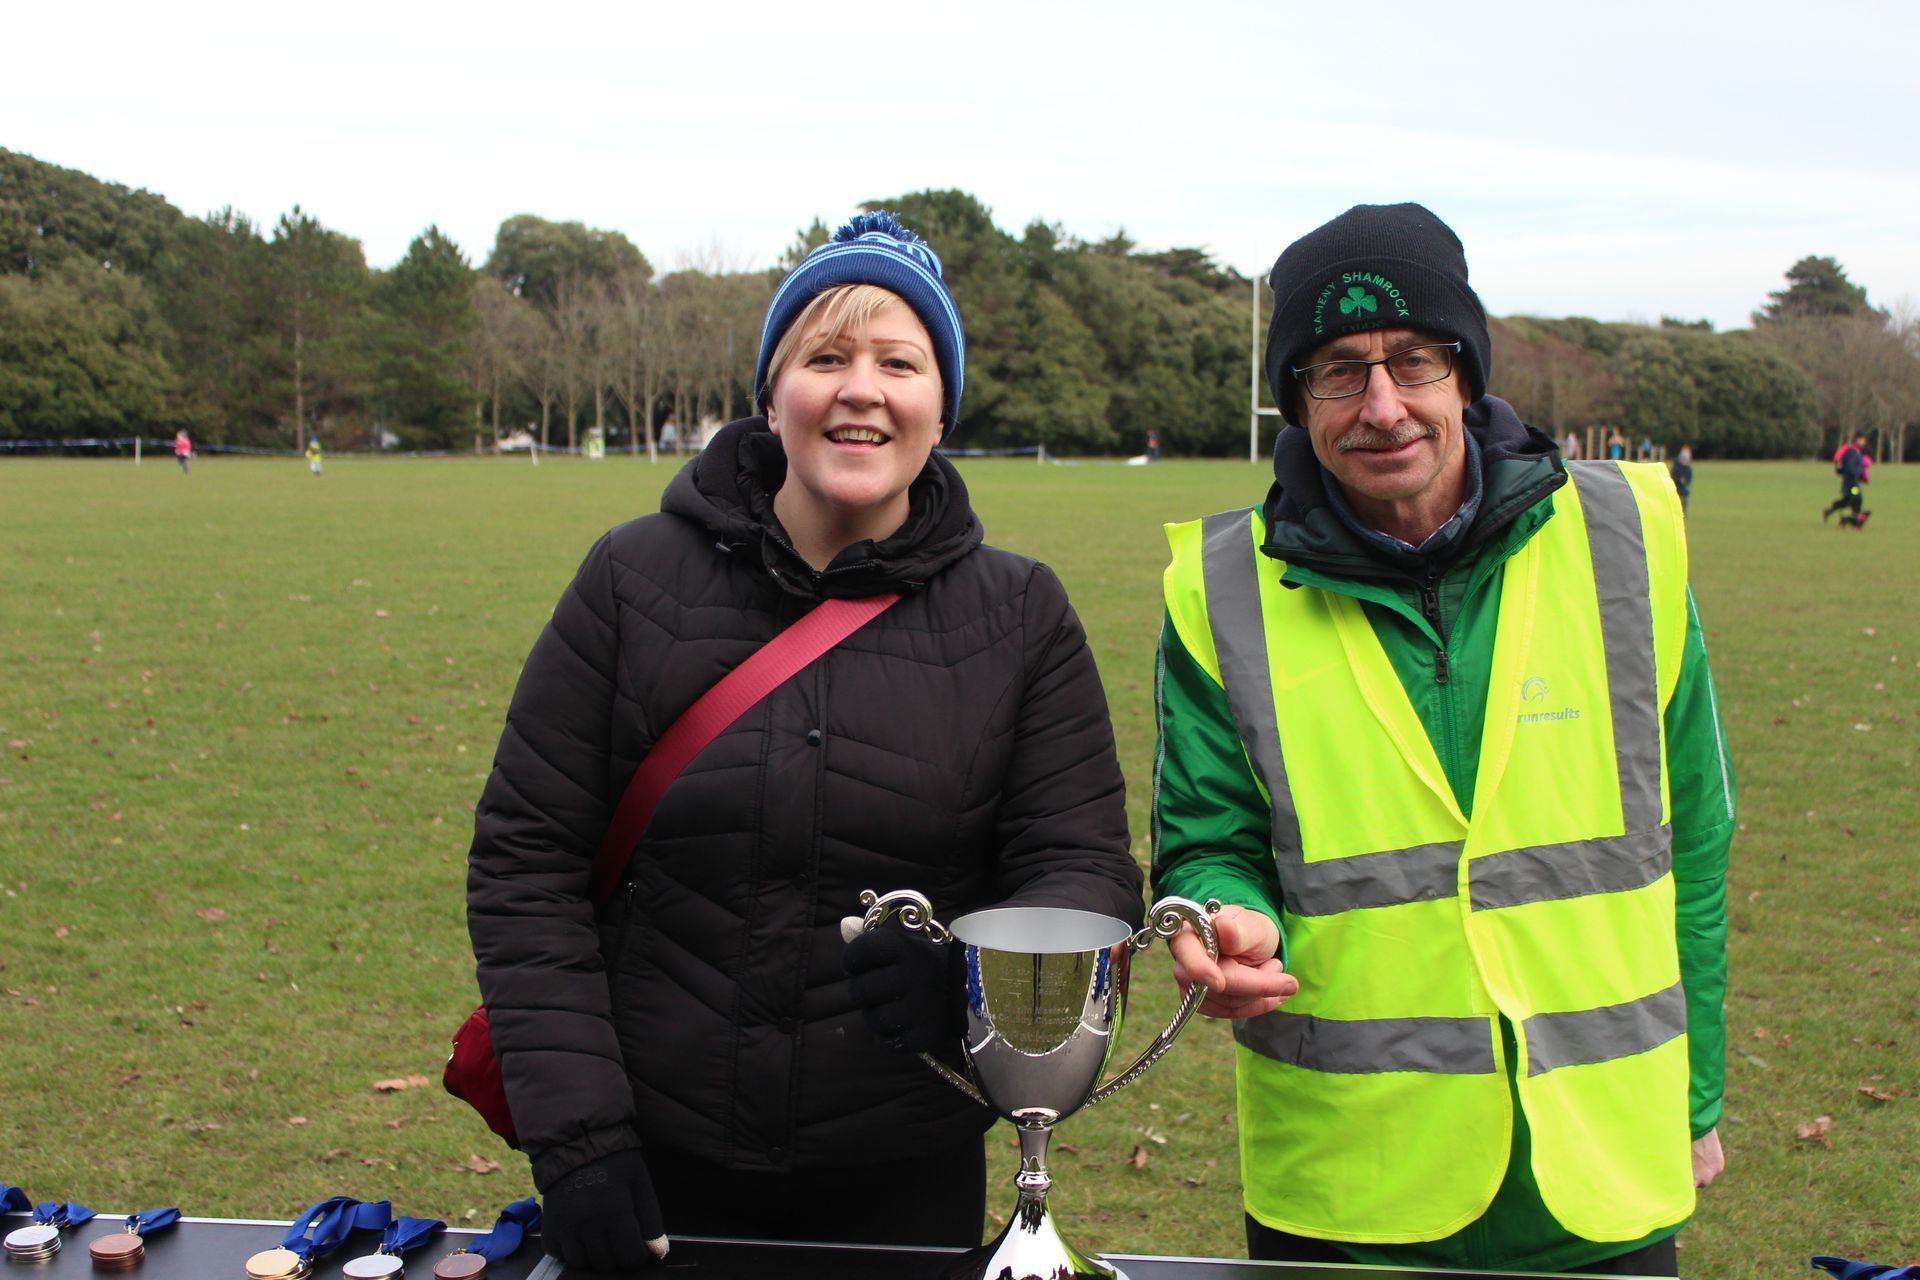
875,249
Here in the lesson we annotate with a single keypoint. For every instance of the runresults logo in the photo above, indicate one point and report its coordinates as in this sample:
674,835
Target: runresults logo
1368,297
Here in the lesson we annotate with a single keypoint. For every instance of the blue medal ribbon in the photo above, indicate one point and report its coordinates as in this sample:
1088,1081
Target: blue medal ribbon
13,1200
52,1213
509,1230
141,1224
403,1234
332,1221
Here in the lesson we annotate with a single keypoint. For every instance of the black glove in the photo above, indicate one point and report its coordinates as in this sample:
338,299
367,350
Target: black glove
905,988
604,1216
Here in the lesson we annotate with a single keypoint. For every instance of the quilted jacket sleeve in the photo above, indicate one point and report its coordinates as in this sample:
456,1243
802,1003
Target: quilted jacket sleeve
534,937
1063,819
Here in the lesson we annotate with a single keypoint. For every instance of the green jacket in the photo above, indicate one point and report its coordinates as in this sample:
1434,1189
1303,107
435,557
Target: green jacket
1436,623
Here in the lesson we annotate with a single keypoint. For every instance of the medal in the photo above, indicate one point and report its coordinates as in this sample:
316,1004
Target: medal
277,1264
331,1222
41,1241
460,1265
384,1263
127,1249
33,1244
503,1241
120,1252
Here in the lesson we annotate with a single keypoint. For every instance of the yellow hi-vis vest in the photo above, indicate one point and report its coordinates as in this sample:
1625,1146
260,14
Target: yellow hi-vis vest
1374,1105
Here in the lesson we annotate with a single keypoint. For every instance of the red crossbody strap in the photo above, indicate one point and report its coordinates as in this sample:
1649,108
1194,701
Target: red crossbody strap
815,632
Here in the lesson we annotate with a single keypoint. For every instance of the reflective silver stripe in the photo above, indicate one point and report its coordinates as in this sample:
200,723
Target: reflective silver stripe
1447,1046
1603,1034
1428,872
1389,879
1240,644
1464,1046
1626,627
1542,873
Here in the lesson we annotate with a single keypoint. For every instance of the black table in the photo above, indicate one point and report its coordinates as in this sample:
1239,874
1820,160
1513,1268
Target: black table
218,1248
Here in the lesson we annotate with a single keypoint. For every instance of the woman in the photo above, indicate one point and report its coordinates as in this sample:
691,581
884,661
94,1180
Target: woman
702,1041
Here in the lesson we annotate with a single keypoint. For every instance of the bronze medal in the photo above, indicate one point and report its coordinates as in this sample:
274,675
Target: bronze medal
279,1263
375,1266
460,1266
121,1252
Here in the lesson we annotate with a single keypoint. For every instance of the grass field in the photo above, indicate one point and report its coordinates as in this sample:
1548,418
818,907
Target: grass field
247,712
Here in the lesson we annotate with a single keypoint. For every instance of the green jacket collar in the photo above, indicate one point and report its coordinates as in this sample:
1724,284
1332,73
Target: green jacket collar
1519,469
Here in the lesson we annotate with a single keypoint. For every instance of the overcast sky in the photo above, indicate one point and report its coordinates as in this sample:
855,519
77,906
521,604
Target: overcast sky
1620,160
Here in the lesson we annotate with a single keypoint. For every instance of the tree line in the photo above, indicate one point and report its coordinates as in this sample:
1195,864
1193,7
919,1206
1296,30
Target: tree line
120,314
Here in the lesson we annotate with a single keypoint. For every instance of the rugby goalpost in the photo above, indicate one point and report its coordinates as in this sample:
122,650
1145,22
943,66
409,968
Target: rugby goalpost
1255,412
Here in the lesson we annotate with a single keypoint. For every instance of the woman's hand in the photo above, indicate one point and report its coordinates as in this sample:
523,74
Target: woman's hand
604,1216
1247,980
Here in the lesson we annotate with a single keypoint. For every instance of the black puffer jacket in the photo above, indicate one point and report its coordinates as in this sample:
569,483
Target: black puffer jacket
958,744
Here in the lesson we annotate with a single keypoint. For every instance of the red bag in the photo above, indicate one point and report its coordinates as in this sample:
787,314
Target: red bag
472,1073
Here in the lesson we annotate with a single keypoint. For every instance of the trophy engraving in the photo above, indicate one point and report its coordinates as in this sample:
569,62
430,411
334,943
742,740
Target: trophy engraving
1046,991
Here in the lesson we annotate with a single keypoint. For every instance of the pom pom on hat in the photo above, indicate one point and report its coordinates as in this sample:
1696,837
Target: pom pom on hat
874,248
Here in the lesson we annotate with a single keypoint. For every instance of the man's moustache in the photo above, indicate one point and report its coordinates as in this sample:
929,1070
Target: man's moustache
1375,438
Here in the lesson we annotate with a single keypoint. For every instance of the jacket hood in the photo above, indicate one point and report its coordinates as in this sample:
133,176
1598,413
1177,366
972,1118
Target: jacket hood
728,490
1519,466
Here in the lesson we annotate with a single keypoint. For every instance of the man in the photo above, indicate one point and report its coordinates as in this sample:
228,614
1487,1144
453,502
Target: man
1437,724
1852,463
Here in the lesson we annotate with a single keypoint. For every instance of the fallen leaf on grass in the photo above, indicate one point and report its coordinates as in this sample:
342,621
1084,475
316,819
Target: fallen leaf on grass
298,1121
211,914
412,1080
1139,1158
1878,1095
62,932
396,1123
1754,896
1761,1033
1815,1130
479,1164
1871,631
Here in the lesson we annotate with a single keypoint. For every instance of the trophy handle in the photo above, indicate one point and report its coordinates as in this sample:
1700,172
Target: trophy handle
915,912
916,916
1164,919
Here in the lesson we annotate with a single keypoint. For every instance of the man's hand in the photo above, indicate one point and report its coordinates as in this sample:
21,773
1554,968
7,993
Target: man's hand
1708,1159
1247,980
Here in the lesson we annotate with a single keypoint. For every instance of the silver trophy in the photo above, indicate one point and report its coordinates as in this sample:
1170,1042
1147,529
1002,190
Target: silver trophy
1046,989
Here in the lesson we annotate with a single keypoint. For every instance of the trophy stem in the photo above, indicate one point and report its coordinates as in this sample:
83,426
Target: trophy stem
1033,1180
1030,1248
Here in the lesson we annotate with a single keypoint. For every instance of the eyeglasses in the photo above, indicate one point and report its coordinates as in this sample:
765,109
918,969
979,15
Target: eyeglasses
1414,367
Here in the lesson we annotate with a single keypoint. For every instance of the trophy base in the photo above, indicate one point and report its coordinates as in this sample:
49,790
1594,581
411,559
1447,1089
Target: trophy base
1030,1249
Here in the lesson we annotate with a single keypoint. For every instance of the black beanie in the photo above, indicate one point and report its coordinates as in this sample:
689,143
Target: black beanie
1376,266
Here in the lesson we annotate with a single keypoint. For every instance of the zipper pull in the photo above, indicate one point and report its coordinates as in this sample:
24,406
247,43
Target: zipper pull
1439,666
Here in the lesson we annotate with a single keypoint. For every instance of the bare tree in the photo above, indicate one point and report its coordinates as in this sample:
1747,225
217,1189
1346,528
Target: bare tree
631,342
1865,371
537,361
574,316
492,353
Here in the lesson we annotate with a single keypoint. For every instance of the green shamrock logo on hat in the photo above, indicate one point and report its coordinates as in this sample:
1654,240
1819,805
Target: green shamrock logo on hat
1358,299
